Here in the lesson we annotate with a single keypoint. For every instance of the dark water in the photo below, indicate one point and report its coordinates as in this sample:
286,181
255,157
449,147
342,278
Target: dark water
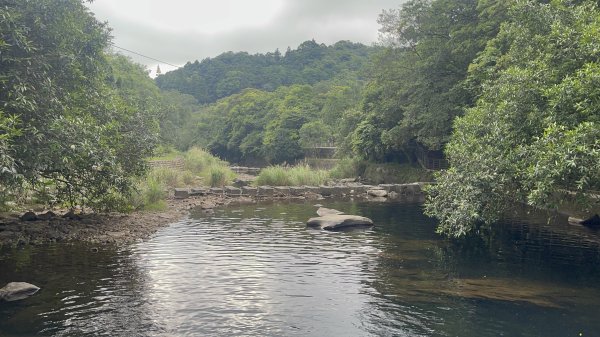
257,271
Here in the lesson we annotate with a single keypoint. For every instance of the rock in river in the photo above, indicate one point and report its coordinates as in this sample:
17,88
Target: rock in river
15,291
326,211
377,193
334,222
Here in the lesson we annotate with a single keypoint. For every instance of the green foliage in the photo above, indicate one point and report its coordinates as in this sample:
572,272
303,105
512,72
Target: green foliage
291,176
168,177
348,168
418,81
198,160
391,173
150,195
315,133
268,126
274,176
63,118
230,73
533,135
218,175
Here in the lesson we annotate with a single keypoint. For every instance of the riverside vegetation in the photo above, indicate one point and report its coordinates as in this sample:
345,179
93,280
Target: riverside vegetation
507,90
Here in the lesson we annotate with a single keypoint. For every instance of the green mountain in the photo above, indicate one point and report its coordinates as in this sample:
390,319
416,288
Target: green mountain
230,73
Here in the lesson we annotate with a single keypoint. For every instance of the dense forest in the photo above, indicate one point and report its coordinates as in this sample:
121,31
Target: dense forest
508,90
230,73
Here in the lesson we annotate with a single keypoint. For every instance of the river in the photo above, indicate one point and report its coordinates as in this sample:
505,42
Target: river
256,270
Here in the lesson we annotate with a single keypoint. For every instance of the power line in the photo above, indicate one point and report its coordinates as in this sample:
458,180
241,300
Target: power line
148,57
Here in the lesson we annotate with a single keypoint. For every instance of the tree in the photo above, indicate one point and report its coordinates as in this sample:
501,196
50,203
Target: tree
63,121
418,83
230,73
534,134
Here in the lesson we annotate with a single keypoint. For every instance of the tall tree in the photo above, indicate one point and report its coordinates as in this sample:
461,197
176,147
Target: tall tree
418,84
62,121
534,134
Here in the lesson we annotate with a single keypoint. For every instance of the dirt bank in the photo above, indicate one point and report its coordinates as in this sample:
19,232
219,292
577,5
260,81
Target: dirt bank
99,228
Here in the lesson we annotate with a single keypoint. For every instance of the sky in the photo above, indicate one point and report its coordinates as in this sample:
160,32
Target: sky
178,31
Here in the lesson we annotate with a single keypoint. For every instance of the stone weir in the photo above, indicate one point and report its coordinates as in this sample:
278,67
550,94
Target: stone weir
382,192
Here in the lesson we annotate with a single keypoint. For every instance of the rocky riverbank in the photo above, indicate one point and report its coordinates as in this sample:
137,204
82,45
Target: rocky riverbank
116,228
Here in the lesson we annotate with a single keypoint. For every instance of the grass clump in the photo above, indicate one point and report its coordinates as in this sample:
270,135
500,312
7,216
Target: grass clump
168,177
150,194
218,175
291,176
198,160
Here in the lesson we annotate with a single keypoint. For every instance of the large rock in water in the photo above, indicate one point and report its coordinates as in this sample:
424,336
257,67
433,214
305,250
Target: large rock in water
378,193
322,211
15,291
334,222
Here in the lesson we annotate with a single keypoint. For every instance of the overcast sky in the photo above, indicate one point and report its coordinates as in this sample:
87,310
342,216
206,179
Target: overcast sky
178,31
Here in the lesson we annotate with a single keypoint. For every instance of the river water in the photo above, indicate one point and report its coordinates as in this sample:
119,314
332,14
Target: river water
256,270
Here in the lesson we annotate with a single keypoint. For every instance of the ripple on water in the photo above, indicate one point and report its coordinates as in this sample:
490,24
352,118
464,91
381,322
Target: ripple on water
259,272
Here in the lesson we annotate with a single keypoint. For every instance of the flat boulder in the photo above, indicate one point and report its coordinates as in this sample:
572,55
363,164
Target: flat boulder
378,193
326,211
334,222
15,291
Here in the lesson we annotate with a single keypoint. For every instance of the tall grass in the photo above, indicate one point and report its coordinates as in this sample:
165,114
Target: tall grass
198,160
150,195
198,164
291,176
218,175
348,168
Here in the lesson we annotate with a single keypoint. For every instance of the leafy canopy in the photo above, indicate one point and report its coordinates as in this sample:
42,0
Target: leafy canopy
534,134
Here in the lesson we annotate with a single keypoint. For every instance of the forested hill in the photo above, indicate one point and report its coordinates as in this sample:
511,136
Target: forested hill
229,73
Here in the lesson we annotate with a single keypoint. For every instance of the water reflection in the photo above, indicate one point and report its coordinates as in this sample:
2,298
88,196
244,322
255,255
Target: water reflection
257,271
83,292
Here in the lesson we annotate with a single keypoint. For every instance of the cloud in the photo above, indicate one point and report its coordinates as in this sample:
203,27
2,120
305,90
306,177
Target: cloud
180,31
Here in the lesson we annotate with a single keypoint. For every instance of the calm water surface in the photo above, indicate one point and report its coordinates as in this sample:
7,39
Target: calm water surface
255,270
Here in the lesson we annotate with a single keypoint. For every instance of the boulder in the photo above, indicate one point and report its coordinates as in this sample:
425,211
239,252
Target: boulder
182,193
322,211
377,193
15,291
593,222
47,216
334,222
29,216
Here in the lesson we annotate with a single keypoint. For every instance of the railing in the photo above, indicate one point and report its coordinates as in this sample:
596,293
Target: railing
173,163
431,163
